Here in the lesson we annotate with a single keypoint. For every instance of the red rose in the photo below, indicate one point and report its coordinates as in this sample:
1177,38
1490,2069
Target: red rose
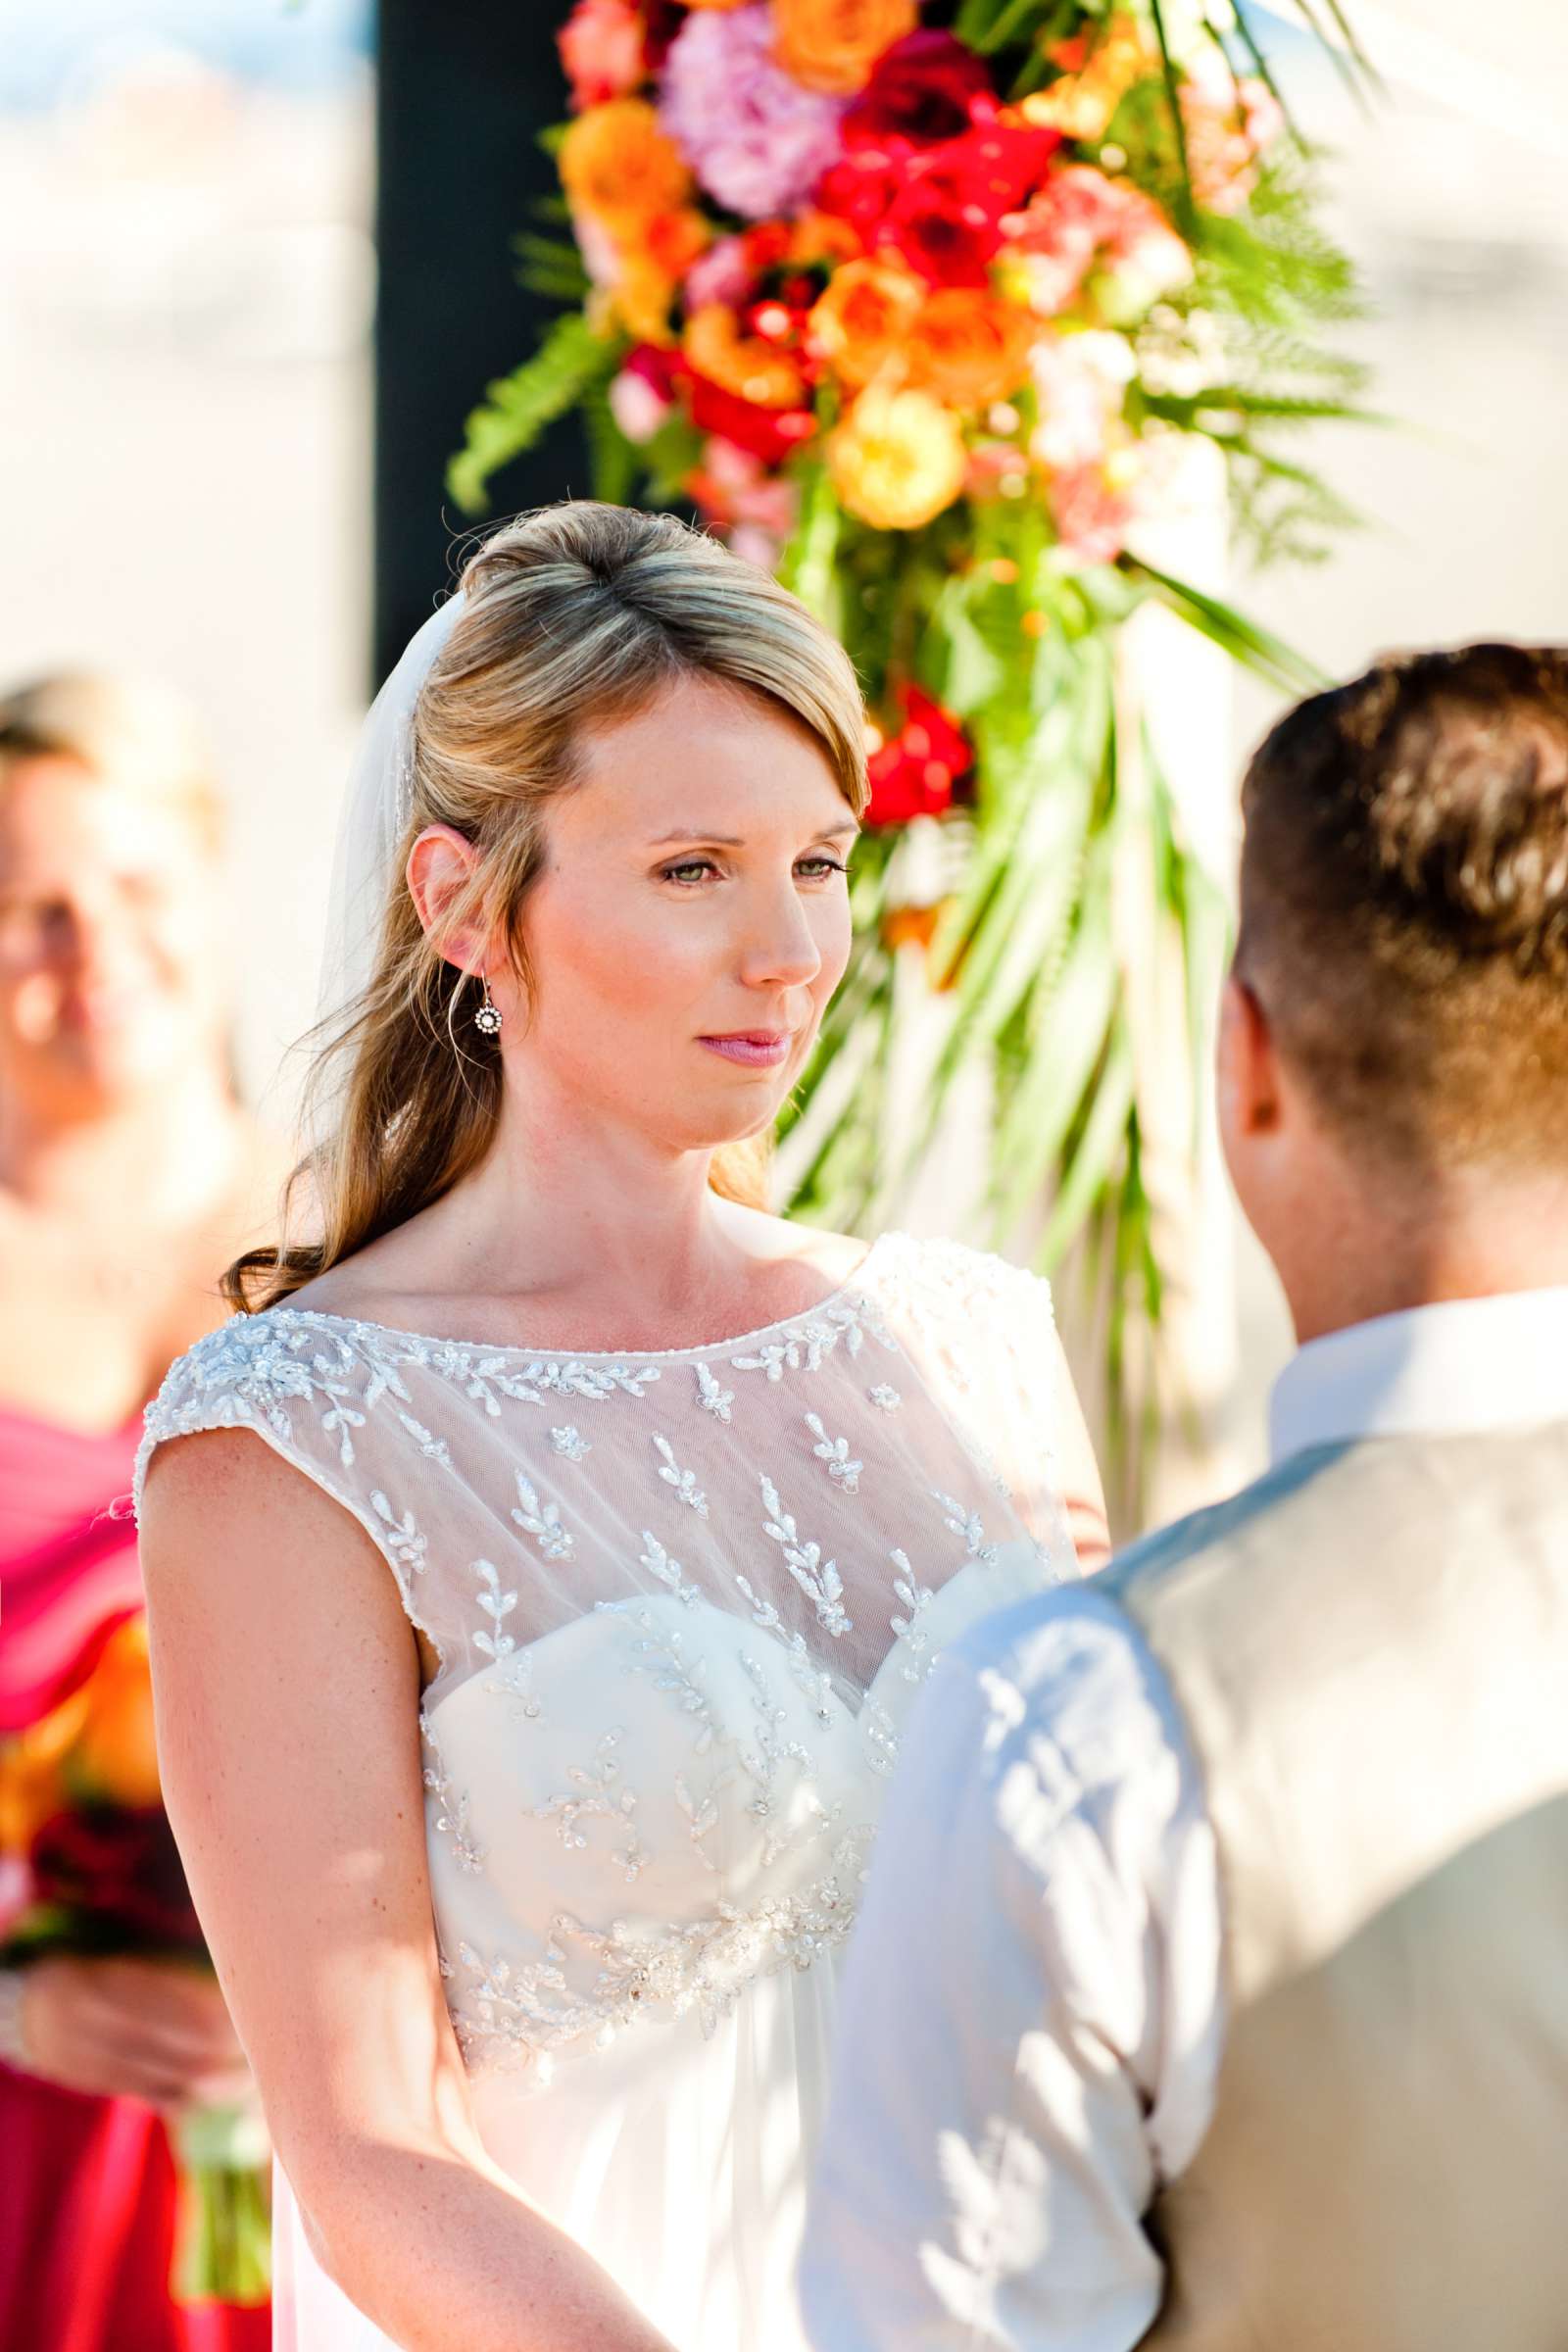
118,1871
925,89
947,218
766,434
914,772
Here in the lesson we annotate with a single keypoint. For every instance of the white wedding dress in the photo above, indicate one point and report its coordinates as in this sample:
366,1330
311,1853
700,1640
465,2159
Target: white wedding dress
683,1602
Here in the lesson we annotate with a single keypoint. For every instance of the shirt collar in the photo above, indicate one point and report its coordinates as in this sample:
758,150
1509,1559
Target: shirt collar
1464,1364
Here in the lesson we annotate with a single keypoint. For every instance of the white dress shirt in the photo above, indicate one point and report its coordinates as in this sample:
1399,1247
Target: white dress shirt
1034,2012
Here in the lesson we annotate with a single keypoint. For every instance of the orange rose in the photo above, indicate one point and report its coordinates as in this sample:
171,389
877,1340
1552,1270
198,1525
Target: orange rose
116,1757
969,348
861,321
821,238
898,459
746,365
33,1787
833,44
620,168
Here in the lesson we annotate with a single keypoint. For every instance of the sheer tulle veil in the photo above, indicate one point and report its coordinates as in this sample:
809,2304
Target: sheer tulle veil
375,812
374,818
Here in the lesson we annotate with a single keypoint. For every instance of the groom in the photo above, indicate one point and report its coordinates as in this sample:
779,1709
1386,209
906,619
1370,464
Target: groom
1211,1988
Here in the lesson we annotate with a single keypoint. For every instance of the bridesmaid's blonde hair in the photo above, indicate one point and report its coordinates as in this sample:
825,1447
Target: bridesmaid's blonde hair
572,618
131,733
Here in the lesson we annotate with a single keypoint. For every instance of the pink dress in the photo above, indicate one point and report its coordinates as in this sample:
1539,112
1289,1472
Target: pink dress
86,2184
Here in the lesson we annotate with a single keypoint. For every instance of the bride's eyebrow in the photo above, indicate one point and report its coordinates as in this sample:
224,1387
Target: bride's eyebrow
734,840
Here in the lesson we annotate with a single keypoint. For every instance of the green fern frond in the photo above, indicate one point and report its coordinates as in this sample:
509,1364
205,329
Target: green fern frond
571,363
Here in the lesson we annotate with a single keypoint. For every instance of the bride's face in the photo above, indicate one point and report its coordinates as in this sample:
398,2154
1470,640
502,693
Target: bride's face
690,923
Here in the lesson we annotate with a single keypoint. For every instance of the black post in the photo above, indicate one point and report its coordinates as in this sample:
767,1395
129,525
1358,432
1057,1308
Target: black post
464,93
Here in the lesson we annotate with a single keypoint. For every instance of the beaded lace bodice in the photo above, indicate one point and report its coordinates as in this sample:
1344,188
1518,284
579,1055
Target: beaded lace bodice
681,1603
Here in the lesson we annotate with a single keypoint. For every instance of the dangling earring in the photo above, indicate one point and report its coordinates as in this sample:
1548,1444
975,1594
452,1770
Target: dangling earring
487,1020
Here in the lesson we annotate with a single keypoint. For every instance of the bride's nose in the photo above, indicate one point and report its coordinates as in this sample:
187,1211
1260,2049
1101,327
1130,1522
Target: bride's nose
778,948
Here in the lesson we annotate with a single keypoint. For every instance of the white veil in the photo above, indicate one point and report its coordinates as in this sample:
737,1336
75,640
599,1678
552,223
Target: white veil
369,833
376,811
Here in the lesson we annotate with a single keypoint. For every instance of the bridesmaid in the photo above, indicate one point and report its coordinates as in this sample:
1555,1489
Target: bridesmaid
128,1170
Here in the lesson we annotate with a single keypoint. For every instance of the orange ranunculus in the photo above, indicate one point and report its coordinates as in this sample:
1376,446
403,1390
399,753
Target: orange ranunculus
1099,74
620,168
898,459
969,348
115,1757
833,44
33,1787
861,321
821,238
746,364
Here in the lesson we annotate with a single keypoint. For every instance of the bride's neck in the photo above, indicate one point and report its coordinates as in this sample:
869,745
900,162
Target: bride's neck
575,1208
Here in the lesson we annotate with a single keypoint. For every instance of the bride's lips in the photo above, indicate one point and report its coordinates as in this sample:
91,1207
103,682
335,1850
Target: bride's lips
755,1049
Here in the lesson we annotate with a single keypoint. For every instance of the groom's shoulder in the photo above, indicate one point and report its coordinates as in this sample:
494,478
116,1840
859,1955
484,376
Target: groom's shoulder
1257,1513
1084,1627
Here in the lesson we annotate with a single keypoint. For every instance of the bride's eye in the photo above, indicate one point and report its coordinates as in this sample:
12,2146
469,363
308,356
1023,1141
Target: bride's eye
689,870
819,868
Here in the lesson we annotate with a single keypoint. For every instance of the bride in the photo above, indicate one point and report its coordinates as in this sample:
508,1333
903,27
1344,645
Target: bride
541,1568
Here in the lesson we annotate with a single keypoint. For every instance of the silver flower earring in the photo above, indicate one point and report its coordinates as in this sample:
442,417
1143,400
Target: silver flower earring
487,1020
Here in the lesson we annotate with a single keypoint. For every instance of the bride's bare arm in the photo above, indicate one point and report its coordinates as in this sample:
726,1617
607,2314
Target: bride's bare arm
287,1693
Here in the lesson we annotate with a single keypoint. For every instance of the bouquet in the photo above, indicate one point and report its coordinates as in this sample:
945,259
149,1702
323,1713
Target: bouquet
88,1865
927,307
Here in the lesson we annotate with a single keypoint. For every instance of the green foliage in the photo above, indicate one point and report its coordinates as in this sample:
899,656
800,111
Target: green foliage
572,363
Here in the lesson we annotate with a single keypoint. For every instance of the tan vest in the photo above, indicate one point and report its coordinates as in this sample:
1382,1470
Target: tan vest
1370,1648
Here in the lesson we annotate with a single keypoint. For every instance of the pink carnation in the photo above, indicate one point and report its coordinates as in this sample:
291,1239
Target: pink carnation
1081,220
755,139
602,50
1094,508
724,273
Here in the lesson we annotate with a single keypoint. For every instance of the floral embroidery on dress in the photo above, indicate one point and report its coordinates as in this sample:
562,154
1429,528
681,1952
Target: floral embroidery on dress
712,1396
842,1468
571,1443
818,1579
885,1400
684,1482
542,1521
450,1805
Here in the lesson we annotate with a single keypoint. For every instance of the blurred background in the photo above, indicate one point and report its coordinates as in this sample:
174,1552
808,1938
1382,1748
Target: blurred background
207,472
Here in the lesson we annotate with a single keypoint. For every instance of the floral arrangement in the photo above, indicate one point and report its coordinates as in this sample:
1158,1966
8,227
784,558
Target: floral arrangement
88,1865
923,306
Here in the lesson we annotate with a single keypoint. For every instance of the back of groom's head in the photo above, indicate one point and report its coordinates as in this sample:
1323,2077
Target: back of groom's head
1405,907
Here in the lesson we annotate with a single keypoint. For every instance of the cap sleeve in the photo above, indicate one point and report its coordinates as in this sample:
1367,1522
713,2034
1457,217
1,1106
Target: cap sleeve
309,1395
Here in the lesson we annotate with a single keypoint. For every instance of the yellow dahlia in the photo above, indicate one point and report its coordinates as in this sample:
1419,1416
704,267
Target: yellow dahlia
898,459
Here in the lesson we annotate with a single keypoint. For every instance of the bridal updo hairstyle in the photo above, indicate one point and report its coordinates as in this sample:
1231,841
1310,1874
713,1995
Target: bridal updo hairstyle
572,619
1405,907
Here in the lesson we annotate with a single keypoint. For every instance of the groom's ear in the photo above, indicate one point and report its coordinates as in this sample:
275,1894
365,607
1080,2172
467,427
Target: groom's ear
441,865
1247,1067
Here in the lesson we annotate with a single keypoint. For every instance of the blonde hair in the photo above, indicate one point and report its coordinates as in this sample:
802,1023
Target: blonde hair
133,734
572,618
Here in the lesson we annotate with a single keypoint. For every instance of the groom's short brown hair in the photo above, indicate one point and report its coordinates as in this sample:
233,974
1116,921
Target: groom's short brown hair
1405,903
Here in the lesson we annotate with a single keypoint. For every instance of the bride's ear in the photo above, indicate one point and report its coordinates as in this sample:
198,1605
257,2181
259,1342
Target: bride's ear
441,865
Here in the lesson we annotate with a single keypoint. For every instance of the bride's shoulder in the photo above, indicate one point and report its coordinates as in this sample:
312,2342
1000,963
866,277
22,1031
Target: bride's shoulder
976,1284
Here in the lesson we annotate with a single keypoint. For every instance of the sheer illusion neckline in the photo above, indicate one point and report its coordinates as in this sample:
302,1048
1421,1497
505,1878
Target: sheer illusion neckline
843,1295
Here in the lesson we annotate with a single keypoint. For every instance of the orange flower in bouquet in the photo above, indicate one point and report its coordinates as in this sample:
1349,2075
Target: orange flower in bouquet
861,322
718,347
620,169
970,348
833,45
